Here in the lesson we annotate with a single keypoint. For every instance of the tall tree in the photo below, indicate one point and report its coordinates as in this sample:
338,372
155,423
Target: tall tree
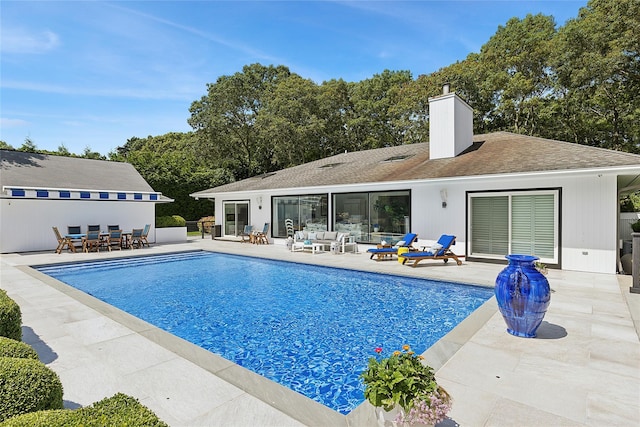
226,119
597,60
516,70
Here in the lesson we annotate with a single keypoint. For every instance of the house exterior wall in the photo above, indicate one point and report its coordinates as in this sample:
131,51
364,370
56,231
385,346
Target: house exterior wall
588,216
25,224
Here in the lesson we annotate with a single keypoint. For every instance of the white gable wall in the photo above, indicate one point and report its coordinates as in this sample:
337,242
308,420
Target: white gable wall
25,224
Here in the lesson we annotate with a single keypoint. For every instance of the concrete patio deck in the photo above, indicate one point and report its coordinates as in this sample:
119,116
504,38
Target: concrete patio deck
583,369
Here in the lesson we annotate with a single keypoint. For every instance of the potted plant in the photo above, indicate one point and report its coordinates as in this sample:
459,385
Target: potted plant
635,226
405,390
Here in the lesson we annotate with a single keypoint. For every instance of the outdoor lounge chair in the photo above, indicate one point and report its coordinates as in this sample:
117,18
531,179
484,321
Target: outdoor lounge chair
441,250
246,233
145,233
63,242
388,252
261,236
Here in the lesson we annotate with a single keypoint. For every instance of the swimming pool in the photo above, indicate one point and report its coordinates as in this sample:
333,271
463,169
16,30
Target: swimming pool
309,328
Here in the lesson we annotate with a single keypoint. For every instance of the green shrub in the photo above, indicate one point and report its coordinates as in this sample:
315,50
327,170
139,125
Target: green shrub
13,348
170,221
118,410
27,385
10,317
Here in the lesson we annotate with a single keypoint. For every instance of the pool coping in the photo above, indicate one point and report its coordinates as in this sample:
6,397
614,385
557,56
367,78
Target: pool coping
289,402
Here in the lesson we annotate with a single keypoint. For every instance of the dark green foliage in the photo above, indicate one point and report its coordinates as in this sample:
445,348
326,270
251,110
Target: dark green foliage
10,317
12,348
27,385
118,410
170,221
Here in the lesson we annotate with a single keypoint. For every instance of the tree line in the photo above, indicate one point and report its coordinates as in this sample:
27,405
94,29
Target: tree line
578,83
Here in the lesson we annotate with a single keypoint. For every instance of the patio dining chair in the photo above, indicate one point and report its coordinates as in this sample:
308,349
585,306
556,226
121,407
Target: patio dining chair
136,238
91,241
114,239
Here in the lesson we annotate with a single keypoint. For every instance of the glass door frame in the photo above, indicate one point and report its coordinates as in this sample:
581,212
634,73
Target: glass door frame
235,214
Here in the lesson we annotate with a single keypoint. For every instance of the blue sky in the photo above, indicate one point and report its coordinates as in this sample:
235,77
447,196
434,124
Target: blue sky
94,74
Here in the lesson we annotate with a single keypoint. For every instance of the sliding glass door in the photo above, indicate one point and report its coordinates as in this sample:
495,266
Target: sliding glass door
236,216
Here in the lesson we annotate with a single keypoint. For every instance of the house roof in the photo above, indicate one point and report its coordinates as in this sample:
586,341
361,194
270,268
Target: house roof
45,171
493,153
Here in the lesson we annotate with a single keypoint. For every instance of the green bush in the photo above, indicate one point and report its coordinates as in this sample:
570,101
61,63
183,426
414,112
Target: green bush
27,385
170,221
13,348
10,317
118,410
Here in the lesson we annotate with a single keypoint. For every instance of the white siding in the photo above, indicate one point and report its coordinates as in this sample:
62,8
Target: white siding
25,225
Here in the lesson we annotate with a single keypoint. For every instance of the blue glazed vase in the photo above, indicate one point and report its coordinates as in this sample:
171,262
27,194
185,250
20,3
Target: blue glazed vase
523,295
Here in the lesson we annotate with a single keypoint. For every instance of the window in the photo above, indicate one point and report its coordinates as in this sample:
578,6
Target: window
104,195
65,194
308,212
42,193
373,216
17,193
85,195
137,196
153,197
524,222
122,196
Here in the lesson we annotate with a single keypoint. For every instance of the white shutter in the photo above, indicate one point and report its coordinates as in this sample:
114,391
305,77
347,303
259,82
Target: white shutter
490,225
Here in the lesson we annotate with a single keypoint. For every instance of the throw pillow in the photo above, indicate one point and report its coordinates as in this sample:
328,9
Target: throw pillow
312,236
401,243
319,235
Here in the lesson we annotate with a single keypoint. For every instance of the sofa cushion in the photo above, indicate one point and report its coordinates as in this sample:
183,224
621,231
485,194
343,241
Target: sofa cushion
312,235
319,235
330,235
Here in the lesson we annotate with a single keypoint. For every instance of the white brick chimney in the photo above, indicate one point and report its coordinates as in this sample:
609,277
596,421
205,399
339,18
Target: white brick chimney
450,125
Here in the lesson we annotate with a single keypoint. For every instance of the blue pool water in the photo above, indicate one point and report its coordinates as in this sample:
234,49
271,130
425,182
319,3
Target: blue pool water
309,328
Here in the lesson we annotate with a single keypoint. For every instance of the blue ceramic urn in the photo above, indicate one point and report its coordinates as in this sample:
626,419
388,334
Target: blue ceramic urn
523,295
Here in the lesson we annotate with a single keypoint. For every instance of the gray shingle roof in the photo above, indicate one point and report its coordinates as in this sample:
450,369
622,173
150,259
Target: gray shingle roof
493,153
41,170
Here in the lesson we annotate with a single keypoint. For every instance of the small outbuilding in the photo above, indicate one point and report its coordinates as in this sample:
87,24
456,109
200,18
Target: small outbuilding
40,191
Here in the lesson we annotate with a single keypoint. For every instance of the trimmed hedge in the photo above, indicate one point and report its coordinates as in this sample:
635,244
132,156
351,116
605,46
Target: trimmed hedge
27,385
170,221
13,348
10,317
118,410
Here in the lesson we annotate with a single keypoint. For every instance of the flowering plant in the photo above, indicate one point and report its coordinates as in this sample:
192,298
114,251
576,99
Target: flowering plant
402,379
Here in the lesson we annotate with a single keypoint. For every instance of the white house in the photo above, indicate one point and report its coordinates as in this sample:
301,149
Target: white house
499,193
40,191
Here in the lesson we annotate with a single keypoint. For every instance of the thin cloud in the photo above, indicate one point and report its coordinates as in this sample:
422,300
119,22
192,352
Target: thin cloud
133,93
18,40
205,35
12,123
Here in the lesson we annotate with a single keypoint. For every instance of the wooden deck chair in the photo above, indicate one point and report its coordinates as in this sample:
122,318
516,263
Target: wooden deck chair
93,227
91,241
113,227
145,233
246,233
136,238
261,236
388,252
63,242
114,239
441,250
